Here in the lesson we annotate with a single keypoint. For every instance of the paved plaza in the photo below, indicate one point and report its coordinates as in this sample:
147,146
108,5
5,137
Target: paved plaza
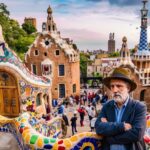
69,111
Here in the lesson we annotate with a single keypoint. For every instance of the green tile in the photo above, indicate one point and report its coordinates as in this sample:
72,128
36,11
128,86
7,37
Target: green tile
46,141
33,139
52,140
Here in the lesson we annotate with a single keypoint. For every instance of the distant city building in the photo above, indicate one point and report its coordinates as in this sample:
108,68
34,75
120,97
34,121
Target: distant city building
102,66
93,67
31,21
92,57
111,43
102,55
94,52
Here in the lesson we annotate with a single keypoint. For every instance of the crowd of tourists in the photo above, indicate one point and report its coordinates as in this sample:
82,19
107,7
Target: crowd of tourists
85,104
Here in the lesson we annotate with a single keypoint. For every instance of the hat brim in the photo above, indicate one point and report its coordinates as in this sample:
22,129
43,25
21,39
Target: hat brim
106,81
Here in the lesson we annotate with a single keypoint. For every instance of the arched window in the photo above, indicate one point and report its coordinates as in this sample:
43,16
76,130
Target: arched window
74,88
57,52
62,91
53,28
142,95
124,54
61,70
46,98
34,68
49,28
46,69
38,100
45,54
36,52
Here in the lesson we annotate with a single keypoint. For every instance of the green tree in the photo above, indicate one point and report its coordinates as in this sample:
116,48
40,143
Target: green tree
84,59
3,9
132,51
114,54
29,28
96,74
17,39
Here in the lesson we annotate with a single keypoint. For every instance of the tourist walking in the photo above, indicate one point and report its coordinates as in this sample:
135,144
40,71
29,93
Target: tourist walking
65,123
82,113
73,123
60,109
92,123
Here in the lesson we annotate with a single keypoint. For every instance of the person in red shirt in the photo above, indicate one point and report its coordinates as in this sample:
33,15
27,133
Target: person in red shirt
82,113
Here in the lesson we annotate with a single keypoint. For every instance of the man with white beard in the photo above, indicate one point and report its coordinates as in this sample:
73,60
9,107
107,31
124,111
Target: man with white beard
122,121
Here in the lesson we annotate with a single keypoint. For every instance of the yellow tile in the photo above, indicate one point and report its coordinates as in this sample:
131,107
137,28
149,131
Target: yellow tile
74,138
40,143
27,139
67,144
81,135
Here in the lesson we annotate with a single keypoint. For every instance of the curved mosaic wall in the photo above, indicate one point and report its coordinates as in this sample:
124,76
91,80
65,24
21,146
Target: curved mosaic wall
34,140
81,141
21,129
51,128
11,59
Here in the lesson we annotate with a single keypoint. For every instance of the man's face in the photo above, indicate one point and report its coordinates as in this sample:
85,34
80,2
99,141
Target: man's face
120,90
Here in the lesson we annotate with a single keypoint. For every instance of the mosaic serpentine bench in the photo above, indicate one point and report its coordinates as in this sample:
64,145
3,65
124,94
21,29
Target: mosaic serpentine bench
10,137
31,139
51,128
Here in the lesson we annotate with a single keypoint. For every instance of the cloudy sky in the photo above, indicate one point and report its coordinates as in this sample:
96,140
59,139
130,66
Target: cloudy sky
87,22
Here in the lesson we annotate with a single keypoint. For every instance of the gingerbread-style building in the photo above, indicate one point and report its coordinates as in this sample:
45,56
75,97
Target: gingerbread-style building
53,57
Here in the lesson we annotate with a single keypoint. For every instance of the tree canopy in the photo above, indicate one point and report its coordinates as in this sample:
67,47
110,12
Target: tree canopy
3,9
84,59
114,54
29,28
17,38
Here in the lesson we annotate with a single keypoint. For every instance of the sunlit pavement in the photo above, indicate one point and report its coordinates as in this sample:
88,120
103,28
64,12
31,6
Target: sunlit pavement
69,111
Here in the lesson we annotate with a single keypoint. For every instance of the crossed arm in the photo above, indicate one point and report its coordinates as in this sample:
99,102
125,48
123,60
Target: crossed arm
122,133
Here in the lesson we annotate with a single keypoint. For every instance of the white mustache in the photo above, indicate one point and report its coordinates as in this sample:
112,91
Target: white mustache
117,95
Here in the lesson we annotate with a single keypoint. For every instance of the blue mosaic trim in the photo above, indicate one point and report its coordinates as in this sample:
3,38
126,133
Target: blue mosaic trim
143,45
93,141
8,128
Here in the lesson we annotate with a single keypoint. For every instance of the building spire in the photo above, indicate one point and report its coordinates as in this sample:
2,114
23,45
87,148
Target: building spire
125,58
143,45
49,10
50,25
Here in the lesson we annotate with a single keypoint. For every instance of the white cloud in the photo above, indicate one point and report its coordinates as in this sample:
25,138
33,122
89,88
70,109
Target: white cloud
88,25
122,21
